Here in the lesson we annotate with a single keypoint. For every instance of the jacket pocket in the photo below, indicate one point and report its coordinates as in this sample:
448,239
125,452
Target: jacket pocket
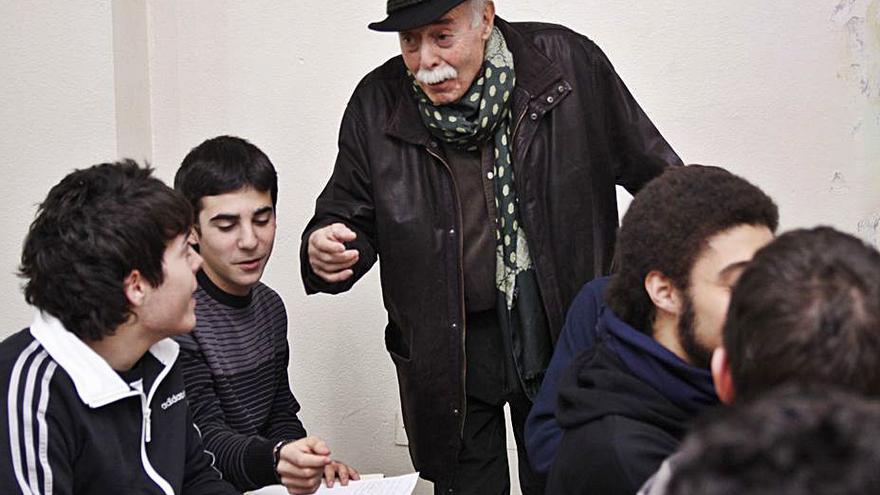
397,345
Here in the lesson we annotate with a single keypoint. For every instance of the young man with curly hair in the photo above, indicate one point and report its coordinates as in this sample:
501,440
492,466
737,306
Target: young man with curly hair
94,401
625,403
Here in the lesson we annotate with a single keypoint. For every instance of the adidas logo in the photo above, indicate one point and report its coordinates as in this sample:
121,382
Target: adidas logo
174,399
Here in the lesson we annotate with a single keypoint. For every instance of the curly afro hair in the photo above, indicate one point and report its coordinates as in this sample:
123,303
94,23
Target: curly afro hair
668,225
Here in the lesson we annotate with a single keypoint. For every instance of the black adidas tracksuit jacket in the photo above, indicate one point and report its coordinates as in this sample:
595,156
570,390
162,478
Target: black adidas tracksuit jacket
72,425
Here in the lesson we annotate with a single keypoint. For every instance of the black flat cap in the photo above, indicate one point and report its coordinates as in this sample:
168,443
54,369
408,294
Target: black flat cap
409,14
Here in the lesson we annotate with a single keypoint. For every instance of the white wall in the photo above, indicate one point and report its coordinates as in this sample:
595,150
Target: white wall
56,114
786,93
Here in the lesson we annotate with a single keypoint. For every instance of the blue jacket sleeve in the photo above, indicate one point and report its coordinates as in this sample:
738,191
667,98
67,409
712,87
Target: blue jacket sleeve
542,431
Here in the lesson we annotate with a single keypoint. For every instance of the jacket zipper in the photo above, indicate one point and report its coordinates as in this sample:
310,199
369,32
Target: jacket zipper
513,134
146,412
462,411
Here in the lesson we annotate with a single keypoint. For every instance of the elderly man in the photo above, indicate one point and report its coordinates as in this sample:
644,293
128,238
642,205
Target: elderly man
480,166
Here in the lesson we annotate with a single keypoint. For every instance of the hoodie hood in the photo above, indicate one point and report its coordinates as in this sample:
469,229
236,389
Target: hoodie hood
630,374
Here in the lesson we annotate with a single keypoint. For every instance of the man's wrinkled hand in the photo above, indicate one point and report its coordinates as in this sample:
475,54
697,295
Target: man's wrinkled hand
328,256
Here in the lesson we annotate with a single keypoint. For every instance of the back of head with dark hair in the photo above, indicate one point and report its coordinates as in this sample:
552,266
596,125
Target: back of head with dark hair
222,165
807,309
793,441
95,227
668,225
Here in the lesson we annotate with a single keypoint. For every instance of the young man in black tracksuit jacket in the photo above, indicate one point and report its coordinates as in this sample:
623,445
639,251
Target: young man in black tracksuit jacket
626,401
95,401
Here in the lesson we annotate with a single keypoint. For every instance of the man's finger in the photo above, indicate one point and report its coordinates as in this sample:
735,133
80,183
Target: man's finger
350,255
299,472
301,486
331,267
342,233
309,452
317,446
324,243
301,483
304,460
335,276
342,473
329,474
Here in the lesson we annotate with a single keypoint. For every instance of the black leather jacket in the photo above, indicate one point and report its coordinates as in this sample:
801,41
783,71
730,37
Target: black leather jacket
578,132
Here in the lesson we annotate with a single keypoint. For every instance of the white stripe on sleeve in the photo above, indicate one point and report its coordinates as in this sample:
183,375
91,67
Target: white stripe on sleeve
12,407
44,429
27,421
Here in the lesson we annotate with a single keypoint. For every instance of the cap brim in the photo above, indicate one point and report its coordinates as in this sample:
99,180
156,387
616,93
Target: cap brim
414,16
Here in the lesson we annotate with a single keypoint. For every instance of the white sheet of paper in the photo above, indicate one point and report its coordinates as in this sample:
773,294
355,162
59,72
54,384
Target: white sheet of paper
372,485
398,485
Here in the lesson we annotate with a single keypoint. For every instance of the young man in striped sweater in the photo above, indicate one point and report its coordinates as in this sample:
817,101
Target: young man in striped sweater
94,400
235,360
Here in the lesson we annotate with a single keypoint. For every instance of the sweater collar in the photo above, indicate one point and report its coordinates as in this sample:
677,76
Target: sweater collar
97,384
683,384
221,295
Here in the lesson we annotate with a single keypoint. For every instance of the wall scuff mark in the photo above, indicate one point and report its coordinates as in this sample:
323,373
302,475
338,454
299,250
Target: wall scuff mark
869,230
838,183
860,22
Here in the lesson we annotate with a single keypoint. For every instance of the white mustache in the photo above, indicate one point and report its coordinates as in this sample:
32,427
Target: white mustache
437,75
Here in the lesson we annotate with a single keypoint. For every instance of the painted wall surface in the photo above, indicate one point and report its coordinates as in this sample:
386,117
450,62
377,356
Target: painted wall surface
56,114
784,93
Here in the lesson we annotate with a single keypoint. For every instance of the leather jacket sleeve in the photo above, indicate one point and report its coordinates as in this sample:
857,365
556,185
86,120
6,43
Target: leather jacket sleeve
639,151
347,198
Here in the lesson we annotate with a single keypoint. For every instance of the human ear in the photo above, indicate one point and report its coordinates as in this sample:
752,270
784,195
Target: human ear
488,20
663,293
193,237
721,376
134,288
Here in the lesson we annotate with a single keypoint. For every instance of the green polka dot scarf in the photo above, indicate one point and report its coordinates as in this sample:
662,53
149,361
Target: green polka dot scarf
482,113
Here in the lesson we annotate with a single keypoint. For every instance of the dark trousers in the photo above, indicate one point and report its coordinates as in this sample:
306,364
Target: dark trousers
482,467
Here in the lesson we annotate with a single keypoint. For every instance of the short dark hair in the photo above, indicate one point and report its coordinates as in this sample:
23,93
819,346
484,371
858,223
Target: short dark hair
95,227
667,226
793,441
221,165
806,309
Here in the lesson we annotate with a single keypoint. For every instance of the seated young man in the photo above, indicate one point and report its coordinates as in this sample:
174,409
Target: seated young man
792,441
235,360
93,395
807,311
625,404
542,431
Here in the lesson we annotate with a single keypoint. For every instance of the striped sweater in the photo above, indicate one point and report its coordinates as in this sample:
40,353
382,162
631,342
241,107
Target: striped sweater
235,368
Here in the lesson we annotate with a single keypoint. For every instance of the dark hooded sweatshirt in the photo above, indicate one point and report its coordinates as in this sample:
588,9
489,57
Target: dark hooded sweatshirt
624,406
